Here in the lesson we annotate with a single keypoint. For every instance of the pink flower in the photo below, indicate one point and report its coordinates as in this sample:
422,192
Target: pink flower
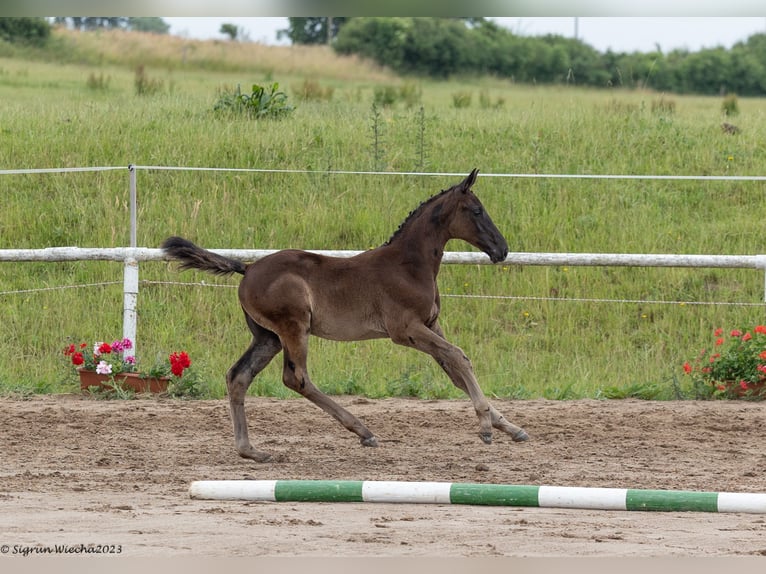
743,385
104,368
736,333
747,336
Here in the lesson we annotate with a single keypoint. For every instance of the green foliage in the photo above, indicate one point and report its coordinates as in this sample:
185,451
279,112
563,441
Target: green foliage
541,344
144,85
35,31
734,366
387,95
230,30
311,90
93,22
260,103
99,83
730,105
311,30
462,99
151,24
444,47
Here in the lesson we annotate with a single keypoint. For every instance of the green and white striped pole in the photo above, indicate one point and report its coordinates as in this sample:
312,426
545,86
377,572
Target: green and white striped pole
478,494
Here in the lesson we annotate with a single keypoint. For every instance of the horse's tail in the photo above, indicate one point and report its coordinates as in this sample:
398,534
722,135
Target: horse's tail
193,257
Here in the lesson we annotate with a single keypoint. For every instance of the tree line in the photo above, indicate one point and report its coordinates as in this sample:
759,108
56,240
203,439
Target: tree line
448,47
445,47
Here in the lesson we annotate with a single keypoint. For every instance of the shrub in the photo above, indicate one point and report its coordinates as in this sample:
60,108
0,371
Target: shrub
146,86
461,99
384,96
734,367
260,103
29,30
97,82
730,105
311,90
663,106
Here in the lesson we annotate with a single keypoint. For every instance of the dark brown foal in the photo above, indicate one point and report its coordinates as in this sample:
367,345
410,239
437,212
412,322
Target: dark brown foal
389,291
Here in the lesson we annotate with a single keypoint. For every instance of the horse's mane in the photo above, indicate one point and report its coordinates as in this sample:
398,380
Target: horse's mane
415,212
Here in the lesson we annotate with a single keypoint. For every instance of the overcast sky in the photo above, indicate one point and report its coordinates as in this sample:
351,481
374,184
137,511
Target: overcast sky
642,34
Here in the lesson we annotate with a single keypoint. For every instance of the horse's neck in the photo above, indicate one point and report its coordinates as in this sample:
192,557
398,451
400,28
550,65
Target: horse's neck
420,246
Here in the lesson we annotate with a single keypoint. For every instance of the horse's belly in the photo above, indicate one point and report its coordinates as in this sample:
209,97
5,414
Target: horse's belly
340,329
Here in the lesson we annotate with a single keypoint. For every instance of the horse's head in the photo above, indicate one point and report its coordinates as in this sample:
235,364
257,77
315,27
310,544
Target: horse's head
471,222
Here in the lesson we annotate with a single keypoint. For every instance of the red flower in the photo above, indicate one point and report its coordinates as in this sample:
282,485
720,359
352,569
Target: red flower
743,385
77,359
687,368
105,348
718,342
718,332
69,350
760,329
747,336
762,355
736,333
179,362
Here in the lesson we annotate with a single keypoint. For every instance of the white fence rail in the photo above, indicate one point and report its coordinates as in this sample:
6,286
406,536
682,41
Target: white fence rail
131,256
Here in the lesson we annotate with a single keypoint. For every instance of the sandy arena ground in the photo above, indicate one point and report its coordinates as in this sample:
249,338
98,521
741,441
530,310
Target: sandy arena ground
80,471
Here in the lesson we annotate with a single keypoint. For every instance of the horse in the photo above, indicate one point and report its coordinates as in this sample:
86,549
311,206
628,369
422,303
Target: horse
386,292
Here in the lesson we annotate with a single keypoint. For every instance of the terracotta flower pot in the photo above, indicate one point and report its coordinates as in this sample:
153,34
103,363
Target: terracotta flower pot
134,381
756,391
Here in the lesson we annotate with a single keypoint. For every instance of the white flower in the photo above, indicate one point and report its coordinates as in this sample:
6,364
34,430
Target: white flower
96,347
104,368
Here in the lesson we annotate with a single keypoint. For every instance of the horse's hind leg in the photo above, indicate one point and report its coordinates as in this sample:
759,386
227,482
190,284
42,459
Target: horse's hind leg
295,376
264,346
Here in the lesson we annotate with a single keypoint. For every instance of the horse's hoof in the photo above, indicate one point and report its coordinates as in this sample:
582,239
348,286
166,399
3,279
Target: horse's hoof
486,437
520,436
256,455
371,441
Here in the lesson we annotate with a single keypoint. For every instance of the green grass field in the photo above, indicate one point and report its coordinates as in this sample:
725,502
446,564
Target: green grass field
85,112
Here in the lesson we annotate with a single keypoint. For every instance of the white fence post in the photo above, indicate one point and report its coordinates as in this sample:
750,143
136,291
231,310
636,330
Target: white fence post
130,298
130,274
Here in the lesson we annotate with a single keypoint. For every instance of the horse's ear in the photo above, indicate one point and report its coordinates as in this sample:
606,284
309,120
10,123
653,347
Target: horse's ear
470,180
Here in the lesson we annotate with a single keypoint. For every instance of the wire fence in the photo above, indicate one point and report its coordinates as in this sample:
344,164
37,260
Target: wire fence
130,256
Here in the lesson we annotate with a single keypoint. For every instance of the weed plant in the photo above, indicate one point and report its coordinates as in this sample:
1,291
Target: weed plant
547,331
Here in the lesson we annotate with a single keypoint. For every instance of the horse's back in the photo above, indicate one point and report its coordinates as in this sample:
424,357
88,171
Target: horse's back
334,296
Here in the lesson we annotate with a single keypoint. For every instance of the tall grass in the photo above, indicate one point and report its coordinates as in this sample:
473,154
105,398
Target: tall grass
528,347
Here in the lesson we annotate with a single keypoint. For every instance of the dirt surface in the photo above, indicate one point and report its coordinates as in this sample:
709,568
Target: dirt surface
79,471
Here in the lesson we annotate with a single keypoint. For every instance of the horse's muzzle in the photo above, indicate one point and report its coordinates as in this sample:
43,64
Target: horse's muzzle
496,255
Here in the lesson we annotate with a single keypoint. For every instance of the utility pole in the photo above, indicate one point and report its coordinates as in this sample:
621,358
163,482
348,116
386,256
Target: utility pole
576,23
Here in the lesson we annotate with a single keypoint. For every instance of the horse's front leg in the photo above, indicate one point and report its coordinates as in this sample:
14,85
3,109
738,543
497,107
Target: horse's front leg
458,368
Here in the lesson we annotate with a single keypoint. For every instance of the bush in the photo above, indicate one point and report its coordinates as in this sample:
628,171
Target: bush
260,103
461,99
730,105
311,90
30,30
146,86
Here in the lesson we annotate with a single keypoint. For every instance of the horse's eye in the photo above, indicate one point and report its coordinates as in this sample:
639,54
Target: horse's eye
477,210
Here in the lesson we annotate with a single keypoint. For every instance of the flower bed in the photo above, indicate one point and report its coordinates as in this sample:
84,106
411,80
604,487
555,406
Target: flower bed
734,367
